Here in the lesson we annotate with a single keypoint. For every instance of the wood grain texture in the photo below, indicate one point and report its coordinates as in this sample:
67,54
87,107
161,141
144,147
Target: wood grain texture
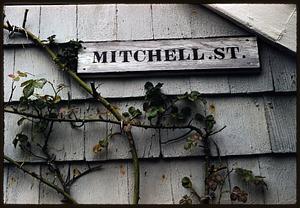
105,186
245,58
60,21
8,68
205,23
281,119
283,68
255,193
48,195
171,20
260,82
280,173
34,61
246,131
215,84
134,22
21,187
155,187
288,34
97,22
271,25
15,16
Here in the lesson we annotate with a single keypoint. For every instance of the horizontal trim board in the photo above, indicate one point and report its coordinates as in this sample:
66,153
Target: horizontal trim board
232,54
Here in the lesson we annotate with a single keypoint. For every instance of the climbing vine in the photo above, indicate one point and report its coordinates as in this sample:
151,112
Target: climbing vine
187,111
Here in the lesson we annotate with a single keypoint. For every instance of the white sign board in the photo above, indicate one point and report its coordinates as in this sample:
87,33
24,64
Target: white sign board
233,54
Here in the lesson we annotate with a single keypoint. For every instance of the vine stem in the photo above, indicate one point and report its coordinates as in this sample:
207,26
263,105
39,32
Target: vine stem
89,90
136,167
34,175
191,127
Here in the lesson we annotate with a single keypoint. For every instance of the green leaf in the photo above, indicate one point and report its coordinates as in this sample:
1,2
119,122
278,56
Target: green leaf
199,117
22,74
15,142
194,96
57,99
152,113
131,110
186,111
148,86
146,106
30,81
187,145
39,83
17,78
51,38
134,112
20,121
126,114
28,91
174,109
22,137
210,122
186,182
159,85
182,97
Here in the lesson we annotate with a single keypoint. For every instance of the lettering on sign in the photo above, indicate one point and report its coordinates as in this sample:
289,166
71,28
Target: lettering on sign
233,54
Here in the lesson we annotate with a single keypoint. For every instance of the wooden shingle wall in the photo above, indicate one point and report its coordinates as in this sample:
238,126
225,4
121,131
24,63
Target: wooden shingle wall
258,109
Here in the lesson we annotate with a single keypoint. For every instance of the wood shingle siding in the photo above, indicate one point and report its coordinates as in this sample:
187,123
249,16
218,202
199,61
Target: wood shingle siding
52,16
280,112
258,109
256,127
21,188
96,22
161,181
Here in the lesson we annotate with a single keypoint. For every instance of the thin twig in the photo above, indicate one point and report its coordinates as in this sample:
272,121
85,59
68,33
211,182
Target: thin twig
13,87
221,187
136,168
215,132
25,18
178,138
103,120
70,182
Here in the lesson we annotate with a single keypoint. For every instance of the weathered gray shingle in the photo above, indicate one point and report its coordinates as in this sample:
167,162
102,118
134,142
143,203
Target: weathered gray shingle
106,186
21,187
96,22
281,119
171,21
134,22
205,23
280,173
59,21
283,66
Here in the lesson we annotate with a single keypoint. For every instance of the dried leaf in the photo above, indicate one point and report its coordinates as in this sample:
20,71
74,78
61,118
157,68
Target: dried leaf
97,148
76,172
